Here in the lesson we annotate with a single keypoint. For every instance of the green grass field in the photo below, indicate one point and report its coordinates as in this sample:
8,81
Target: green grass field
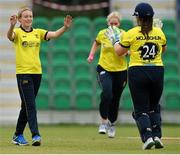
84,139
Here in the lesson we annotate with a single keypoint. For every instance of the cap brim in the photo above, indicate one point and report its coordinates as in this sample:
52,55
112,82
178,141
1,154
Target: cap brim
135,14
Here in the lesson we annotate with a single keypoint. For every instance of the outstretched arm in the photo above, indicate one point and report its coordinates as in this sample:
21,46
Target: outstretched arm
60,31
10,33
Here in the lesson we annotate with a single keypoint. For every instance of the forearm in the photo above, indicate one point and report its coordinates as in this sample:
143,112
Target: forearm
60,31
94,48
10,33
119,49
92,52
57,33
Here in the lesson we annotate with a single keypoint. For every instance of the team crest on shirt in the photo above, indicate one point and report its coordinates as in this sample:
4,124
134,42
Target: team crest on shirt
24,43
30,44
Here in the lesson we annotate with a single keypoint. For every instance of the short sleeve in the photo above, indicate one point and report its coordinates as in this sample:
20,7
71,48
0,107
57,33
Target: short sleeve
99,37
125,40
43,34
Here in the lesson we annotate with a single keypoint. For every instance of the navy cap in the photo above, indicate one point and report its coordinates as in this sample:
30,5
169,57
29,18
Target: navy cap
143,10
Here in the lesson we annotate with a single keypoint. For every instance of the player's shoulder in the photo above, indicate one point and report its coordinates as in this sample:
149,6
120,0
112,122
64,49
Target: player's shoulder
38,29
158,30
134,29
17,29
102,30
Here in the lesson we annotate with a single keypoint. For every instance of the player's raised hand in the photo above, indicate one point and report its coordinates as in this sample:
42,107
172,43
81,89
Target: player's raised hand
13,20
113,34
157,23
68,21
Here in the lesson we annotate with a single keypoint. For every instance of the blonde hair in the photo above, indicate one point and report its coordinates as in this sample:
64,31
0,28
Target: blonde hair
114,14
22,10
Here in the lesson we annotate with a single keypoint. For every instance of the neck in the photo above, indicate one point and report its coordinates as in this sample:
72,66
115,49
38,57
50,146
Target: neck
26,28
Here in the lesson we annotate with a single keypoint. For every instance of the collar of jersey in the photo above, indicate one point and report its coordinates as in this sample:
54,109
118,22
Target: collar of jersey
25,30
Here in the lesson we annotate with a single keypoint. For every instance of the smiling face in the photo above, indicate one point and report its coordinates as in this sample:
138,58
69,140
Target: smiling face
26,18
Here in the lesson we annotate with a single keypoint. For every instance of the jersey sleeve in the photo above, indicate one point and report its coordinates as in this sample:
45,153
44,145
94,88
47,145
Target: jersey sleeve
99,37
43,34
125,40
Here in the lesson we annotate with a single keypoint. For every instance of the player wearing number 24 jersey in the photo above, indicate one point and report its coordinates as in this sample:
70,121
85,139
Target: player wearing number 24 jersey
145,51
145,43
145,74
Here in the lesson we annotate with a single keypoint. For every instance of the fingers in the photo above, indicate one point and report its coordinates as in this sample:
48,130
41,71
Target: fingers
68,18
109,32
113,34
68,21
13,17
157,23
89,60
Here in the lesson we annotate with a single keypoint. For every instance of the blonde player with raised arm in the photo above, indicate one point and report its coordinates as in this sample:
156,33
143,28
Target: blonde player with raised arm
27,41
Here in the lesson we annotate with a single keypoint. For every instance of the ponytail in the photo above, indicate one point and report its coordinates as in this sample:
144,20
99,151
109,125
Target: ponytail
146,25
